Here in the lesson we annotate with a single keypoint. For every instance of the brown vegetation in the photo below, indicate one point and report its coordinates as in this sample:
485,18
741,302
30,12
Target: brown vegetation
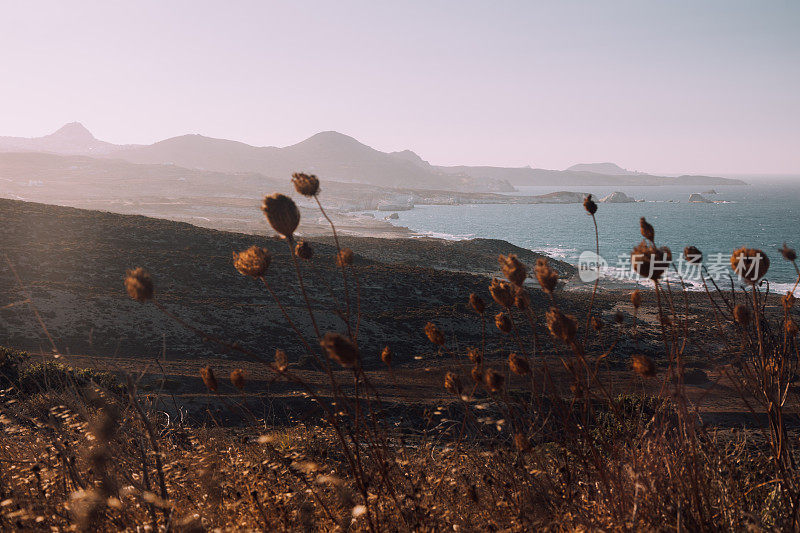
536,439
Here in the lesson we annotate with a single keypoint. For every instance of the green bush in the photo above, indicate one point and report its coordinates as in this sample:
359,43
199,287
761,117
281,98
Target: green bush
10,362
16,370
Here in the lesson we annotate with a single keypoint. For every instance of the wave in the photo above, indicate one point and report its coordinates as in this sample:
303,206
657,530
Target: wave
557,252
445,236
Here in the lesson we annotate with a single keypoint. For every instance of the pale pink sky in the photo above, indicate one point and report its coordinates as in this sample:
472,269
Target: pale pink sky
662,86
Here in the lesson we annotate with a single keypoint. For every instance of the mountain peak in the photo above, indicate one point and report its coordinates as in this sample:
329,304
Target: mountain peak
331,137
74,131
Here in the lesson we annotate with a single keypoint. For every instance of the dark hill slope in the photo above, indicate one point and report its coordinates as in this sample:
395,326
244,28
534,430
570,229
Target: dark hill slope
74,261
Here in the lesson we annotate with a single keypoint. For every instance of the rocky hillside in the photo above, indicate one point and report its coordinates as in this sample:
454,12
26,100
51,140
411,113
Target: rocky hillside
73,262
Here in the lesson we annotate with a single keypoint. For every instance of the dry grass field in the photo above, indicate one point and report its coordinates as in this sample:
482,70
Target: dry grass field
353,395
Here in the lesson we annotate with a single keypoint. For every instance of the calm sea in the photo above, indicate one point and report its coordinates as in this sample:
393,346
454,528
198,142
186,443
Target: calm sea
761,215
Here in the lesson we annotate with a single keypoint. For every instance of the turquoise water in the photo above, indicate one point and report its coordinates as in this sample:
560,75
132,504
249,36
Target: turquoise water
762,215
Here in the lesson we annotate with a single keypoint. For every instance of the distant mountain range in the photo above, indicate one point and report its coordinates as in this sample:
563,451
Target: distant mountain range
337,157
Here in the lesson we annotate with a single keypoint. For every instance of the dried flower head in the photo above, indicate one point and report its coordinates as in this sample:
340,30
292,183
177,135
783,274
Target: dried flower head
252,262
691,254
741,314
493,381
619,318
643,365
650,262
522,299
502,292
434,334
521,442
340,349
561,326
513,269
344,257
503,322
749,264
636,299
210,380
597,323
518,365
476,373
139,284
305,184
477,303
791,327
282,214
788,253
474,355
386,356
647,230
787,301
303,251
238,378
281,360
452,384
547,277
589,205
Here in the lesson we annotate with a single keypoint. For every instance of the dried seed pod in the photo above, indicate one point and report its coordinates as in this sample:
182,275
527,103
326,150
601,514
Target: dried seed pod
650,262
597,323
344,257
476,373
619,318
589,205
647,230
643,365
518,365
207,374
281,360
282,214
386,356
636,299
139,284
749,264
303,251
252,262
452,384
692,255
477,303
561,326
547,277
434,334
502,292
474,355
238,378
305,184
503,322
788,253
340,349
493,381
741,314
513,269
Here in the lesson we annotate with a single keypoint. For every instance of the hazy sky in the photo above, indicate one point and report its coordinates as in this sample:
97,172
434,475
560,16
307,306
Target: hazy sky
670,86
